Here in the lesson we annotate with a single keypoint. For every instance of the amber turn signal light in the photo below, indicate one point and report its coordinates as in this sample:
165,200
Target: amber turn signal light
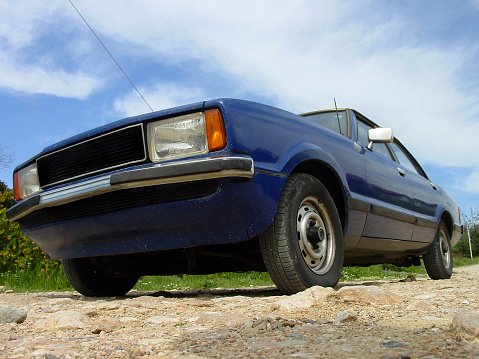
16,187
215,130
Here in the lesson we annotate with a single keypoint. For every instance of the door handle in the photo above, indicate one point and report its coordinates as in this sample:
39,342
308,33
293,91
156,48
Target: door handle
433,185
401,171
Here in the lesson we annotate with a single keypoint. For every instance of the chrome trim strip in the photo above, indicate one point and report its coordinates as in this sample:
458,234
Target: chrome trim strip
358,205
75,190
423,222
203,168
393,214
270,173
241,167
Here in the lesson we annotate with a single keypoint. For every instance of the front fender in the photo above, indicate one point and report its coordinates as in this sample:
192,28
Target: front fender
279,141
308,151
269,180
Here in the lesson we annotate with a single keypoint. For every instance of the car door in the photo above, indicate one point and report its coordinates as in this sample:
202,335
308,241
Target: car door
388,190
424,191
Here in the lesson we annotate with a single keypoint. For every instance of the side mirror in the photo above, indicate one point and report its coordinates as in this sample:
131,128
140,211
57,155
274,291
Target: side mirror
380,135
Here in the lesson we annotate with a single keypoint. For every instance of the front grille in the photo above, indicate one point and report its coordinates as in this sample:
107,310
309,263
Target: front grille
99,154
120,200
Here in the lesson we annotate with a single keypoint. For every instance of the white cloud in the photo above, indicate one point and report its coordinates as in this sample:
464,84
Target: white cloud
302,53
35,79
159,97
26,66
21,21
305,53
472,182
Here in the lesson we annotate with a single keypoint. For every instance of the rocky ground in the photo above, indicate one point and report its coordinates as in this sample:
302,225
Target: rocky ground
412,318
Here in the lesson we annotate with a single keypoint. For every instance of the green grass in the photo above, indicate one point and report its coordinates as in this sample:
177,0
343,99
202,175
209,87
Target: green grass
465,261
218,280
380,271
31,280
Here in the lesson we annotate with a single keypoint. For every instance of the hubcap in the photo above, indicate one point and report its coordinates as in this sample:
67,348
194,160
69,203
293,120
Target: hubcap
445,249
315,235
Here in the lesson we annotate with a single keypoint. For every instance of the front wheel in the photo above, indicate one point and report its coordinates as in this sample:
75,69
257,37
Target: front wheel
303,247
92,281
438,260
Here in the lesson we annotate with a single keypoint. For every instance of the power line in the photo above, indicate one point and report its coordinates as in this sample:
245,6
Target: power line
117,64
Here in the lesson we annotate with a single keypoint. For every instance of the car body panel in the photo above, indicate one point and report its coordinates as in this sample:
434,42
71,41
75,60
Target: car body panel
147,228
242,204
390,195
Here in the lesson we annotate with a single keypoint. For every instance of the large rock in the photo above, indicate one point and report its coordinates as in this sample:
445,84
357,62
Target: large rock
314,296
466,323
226,319
12,315
368,295
268,323
160,319
421,306
105,324
59,301
344,317
66,319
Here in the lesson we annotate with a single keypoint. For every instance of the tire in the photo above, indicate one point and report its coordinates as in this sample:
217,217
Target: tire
92,281
438,260
303,247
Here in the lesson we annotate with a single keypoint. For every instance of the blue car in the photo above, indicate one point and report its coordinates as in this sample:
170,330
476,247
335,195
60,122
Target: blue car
232,185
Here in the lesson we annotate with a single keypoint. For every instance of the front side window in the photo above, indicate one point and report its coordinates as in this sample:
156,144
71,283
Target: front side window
382,148
336,121
363,139
402,158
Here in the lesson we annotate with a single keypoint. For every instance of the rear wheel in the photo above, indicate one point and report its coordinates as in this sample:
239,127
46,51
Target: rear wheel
303,247
438,260
92,281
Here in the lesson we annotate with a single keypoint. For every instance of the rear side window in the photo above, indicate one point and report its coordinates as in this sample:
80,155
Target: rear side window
336,121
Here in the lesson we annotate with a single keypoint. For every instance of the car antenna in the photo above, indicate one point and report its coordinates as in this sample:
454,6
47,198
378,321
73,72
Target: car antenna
337,116
117,64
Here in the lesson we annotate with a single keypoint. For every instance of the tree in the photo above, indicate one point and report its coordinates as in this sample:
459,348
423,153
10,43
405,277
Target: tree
6,196
5,158
471,221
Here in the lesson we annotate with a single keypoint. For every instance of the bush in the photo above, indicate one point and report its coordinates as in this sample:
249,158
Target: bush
6,196
17,251
462,247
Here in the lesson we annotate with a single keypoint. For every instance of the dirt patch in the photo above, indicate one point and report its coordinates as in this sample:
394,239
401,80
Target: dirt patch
385,319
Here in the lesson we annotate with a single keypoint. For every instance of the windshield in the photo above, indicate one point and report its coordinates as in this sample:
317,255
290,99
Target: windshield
336,121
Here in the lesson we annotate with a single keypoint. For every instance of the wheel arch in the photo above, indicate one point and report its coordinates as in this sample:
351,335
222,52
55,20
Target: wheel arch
330,179
446,217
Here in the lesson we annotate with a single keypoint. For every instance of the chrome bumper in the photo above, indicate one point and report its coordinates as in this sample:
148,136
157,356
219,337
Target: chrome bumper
158,174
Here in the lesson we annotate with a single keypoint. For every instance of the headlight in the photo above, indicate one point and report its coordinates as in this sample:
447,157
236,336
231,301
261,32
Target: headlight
26,182
186,135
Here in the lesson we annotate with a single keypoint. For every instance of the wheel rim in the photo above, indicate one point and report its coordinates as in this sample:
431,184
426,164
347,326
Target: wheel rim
315,235
445,249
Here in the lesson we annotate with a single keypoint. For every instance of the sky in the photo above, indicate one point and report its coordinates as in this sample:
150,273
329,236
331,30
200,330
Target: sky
412,65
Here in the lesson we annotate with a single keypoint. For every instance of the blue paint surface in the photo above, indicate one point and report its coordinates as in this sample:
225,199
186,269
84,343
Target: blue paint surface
278,142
